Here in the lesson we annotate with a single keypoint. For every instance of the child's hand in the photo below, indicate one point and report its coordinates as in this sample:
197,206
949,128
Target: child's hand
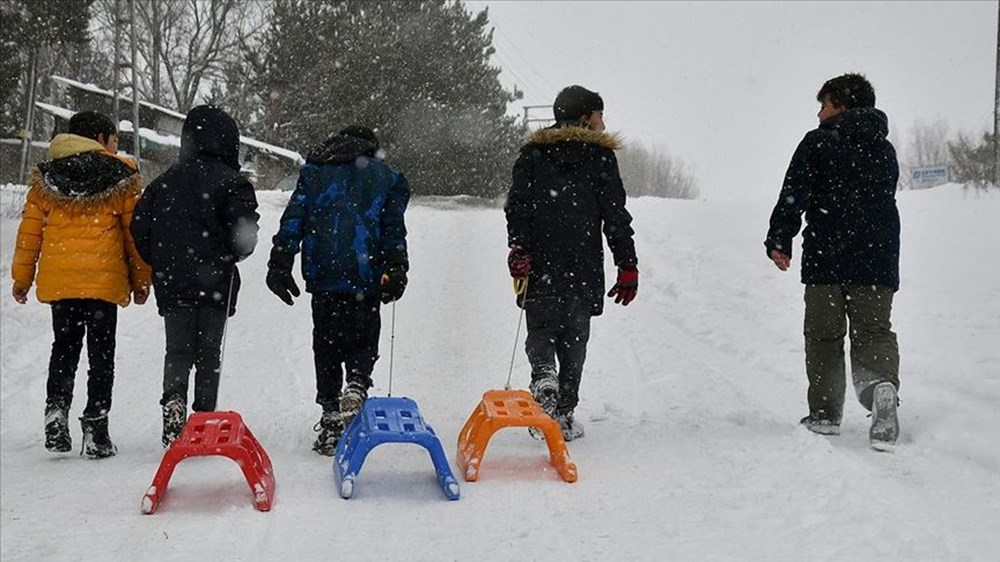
140,297
20,295
780,259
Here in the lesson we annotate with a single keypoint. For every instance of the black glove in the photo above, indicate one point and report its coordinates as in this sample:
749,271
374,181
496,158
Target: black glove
282,284
393,284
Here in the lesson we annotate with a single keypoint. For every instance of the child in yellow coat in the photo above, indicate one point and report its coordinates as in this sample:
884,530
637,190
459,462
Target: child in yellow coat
74,244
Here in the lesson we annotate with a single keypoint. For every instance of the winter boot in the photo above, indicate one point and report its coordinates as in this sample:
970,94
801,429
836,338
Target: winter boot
821,423
885,423
330,428
350,403
57,437
545,391
96,441
571,429
174,418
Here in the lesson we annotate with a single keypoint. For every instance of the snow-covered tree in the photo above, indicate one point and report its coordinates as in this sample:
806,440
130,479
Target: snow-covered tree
417,72
37,37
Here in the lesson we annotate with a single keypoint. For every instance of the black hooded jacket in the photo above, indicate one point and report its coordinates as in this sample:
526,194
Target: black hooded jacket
566,190
843,177
195,221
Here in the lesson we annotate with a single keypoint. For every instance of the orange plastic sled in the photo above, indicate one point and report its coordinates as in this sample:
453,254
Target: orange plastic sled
216,433
509,408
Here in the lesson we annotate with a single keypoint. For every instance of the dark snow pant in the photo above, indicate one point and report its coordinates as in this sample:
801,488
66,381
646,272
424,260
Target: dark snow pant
71,320
558,329
194,338
345,337
874,351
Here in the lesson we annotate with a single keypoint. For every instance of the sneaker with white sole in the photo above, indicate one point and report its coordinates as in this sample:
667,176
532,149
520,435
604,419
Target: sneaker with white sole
885,423
819,422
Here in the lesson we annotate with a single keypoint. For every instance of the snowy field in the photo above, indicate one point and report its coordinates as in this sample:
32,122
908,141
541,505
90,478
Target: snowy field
691,398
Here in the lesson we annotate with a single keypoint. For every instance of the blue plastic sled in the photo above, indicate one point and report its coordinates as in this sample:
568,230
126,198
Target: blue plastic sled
388,420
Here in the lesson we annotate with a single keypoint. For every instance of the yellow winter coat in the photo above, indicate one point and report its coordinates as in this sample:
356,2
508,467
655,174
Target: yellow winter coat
75,226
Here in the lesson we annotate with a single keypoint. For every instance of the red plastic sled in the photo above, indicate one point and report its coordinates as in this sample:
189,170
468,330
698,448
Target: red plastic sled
216,433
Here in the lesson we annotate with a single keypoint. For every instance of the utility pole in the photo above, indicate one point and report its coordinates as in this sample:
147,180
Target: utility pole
116,64
136,139
155,64
996,111
29,127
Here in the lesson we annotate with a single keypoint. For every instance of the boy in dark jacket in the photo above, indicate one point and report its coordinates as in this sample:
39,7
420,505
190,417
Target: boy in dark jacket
346,216
192,224
74,245
843,177
566,190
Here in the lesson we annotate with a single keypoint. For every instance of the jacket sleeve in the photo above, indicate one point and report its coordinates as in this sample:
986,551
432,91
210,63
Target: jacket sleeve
617,220
29,241
240,217
141,224
288,240
139,272
786,218
519,208
393,224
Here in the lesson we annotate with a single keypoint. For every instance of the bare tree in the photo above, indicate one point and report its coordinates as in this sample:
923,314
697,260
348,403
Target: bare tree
928,147
186,46
655,173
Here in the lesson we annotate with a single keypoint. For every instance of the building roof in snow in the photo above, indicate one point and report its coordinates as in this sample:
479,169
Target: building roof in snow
159,137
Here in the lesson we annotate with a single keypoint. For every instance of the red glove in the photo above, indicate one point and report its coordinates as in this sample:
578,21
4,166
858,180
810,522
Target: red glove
518,262
140,297
627,286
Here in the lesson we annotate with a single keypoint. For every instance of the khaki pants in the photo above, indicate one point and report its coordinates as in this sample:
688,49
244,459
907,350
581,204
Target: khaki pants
874,351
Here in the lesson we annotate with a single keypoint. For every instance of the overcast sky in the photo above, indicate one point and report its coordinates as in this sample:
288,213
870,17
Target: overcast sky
730,87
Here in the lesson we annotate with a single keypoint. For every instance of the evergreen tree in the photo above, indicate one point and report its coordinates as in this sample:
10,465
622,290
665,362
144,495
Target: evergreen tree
417,72
973,162
32,33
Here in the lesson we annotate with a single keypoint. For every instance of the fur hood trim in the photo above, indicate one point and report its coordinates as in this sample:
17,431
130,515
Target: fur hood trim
50,195
552,135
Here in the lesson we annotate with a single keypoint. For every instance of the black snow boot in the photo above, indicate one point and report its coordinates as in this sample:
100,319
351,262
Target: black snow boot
330,428
174,419
571,429
96,441
351,402
57,437
545,391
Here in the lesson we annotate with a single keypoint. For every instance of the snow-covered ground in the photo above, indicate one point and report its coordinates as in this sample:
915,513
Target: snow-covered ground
691,399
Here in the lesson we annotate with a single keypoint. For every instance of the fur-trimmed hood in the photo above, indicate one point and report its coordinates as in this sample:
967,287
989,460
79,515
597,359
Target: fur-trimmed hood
82,173
556,134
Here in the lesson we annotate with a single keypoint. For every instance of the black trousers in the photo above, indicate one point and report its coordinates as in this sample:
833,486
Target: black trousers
72,319
345,337
558,328
194,338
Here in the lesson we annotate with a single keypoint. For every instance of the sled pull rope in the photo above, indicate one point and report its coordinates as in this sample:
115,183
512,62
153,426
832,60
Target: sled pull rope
521,289
225,323
392,344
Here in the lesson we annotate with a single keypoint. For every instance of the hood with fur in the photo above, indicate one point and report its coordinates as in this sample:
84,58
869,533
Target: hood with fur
82,168
556,134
